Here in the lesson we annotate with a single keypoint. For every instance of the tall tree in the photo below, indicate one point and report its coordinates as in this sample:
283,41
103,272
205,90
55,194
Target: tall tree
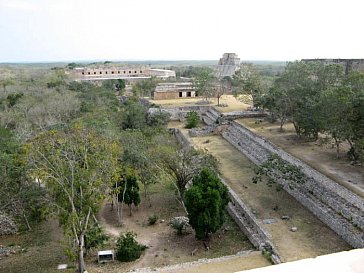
183,164
133,115
130,189
204,82
76,167
20,198
206,201
247,81
139,155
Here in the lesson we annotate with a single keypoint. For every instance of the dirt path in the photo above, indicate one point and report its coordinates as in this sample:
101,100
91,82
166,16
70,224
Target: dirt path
227,264
313,238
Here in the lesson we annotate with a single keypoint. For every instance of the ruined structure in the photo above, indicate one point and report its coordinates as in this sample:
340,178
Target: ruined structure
174,90
349,64
115,72
336,206
228,64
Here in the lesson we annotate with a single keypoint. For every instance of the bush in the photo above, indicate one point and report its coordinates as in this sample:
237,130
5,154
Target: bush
95,237
180,223
152,219
128,249
192,119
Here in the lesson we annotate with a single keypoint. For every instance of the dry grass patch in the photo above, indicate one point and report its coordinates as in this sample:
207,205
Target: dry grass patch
232,103
321,157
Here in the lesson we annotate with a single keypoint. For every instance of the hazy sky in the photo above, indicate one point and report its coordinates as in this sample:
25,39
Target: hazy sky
65,30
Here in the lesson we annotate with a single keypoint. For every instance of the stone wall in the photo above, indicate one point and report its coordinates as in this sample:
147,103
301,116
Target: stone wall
243,114
250,226
333,204
179,113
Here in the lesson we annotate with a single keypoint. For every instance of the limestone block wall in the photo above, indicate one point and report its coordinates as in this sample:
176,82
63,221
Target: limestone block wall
243,114
251,227
336,206
179,113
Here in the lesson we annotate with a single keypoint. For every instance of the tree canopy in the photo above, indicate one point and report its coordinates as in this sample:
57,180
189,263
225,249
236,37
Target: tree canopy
76,167
206,201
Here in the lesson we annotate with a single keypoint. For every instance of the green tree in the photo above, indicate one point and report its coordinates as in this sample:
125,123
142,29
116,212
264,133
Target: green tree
76,167
183,164
204,82
120,86
297,94
145,88
222,87
21,198
139,155
133,115
247,81
355,124
130,191
277,101
206,201
336,102
192,119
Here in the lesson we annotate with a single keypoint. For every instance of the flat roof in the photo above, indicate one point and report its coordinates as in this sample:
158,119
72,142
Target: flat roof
105,252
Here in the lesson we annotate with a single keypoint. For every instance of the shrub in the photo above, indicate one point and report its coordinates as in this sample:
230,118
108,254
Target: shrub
192,119
128,249
180,223
95,237
152,219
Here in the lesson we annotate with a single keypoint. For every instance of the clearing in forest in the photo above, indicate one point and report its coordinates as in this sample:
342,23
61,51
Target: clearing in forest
165,247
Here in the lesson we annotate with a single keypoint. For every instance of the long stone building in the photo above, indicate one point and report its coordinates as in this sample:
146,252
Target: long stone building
349,64
115,72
